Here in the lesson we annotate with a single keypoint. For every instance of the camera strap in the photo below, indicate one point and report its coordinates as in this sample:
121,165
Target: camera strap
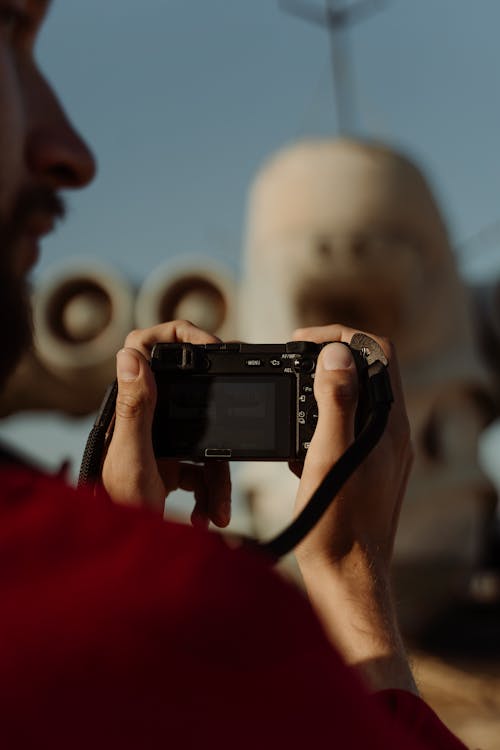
322,498
371,419
99,436
374,403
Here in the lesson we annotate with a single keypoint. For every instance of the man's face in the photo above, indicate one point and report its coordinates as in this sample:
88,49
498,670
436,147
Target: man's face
40,154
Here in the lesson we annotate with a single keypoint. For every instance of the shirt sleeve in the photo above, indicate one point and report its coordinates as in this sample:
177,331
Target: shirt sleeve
418,719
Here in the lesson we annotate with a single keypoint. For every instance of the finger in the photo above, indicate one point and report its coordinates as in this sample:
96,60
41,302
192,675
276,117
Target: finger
336,391
182,476
218,483
199,517
320,334
337,332
398,420
130,473
182,331
296,467
177,475
190,478
211,485
169,469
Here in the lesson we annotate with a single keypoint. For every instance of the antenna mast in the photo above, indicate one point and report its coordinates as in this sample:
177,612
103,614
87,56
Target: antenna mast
336,18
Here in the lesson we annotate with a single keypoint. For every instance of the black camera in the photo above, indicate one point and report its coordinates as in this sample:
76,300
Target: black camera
236,401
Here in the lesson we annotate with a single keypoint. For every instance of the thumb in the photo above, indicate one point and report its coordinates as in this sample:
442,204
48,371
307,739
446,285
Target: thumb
336,393
136,398
130,471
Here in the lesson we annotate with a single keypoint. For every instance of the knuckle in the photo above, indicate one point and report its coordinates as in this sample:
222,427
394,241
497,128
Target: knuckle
299,334
184,326
133,337
341,398
342,391
345,400
129,406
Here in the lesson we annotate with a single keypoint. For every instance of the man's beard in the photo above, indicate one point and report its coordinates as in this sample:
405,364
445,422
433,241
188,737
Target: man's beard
16,322
15,308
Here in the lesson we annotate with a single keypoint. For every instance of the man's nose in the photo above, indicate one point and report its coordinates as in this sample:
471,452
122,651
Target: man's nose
55,152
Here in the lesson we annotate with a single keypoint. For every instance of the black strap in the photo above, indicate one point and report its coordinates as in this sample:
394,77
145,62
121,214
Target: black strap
325,494
93,455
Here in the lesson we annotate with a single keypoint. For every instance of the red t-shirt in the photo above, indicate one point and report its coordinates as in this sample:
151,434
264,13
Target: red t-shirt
118,630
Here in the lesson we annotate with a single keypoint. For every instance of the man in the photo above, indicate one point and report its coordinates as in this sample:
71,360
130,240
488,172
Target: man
40,153
118,630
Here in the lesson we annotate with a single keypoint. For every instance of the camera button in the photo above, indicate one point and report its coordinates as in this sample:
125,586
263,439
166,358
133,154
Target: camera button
303,365
254,362
275,362
218,452
231,346
312,414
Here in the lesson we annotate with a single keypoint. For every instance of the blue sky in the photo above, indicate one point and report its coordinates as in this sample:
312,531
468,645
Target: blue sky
182,100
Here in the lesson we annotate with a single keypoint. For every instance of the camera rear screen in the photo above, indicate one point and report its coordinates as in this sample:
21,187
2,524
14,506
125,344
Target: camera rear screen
223,416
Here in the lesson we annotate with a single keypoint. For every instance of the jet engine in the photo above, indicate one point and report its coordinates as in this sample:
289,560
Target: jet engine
82,312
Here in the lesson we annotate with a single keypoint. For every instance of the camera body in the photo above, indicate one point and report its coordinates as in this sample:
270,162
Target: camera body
235,401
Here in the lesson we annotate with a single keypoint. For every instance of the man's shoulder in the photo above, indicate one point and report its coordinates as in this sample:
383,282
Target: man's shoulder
134,625
47,526
42,511
77,563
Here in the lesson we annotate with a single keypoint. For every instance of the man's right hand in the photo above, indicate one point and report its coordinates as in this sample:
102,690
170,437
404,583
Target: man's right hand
365,514
345,559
